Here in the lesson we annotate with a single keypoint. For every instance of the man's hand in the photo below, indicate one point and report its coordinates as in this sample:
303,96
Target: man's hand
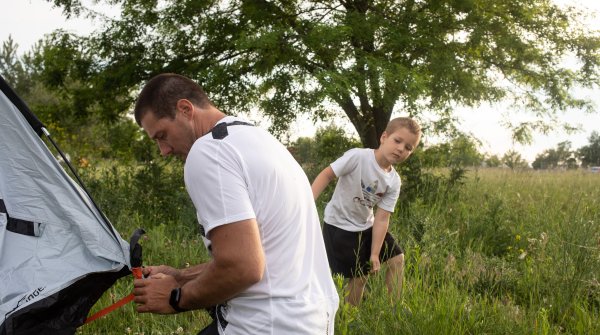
153,270
152,294
375,263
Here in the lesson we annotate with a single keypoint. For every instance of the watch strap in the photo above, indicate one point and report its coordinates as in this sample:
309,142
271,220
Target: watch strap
174,300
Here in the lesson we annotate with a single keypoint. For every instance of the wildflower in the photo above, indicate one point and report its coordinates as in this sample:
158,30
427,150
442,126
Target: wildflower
523,254
543,237
518,237
83,162
179,330
467,309
187,264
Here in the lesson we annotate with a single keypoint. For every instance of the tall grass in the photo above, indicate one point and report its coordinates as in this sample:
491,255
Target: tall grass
506,253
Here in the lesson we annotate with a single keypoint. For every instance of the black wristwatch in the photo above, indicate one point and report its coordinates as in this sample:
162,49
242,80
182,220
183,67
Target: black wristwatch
174,300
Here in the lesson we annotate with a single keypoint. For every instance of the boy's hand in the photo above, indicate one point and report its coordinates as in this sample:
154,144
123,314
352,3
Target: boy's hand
375,264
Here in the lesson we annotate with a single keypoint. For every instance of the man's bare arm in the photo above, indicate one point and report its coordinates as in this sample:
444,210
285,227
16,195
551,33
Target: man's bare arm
238,263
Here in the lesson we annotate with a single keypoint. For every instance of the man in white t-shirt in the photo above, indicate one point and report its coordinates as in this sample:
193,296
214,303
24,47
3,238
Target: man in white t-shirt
268,273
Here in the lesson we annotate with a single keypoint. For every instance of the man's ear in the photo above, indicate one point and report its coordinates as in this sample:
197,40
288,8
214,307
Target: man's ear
186,107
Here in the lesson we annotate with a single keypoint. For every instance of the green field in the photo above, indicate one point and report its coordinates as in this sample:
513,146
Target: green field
505,253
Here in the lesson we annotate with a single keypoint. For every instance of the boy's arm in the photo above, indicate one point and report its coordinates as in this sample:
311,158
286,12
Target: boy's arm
380,227
321,182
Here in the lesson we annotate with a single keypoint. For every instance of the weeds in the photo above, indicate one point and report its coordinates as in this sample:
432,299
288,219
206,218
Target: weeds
508,253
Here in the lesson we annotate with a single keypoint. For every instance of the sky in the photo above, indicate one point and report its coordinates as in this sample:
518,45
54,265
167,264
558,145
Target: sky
27,21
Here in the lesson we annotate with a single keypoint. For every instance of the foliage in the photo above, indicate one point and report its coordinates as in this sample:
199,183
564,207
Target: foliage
590,154
369,59
426,185
563,156
44,79
517,253
156,186
459,151
328,144
514,160
492,161
11,69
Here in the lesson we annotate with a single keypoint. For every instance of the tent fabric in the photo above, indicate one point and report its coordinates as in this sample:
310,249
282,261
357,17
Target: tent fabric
34,122
58,254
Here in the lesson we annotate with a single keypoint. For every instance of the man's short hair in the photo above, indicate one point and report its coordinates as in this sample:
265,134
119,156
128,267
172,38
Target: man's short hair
403,122
161,93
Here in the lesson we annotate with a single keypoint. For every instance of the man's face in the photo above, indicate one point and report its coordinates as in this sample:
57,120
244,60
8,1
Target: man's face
397,146
173,136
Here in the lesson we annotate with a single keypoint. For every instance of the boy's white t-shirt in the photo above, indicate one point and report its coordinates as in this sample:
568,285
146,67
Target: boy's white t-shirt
362,184
249,174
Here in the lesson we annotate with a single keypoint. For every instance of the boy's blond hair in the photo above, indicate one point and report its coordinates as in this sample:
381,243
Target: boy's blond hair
403,122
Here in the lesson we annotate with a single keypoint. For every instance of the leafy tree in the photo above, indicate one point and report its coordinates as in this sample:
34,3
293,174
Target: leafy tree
56,98
562,156
493,161
11,68
514,160
590,154
328,144
460,151
546,160
370,59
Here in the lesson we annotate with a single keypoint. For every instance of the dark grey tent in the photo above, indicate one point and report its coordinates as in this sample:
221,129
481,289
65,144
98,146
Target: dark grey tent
58,252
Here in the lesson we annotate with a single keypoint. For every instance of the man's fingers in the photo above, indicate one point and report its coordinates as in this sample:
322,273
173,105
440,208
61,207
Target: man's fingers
142,309
139,282
139,291
140,299
144,282
149,294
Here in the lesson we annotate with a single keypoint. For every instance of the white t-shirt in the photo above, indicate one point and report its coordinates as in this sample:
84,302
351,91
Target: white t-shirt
249,174
362,184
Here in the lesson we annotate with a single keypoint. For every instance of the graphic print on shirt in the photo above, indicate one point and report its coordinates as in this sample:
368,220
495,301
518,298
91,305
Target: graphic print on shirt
370,197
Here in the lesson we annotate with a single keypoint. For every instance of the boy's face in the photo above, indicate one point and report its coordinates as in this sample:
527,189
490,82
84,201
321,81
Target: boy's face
397,146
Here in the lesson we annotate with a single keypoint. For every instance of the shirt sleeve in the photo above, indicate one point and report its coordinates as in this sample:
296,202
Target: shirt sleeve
345,164
216,181
389,199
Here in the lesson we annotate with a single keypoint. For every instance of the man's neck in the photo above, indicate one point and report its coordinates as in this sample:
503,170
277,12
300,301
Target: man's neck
205,120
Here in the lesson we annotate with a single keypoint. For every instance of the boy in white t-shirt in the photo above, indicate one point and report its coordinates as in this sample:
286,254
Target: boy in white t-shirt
356,239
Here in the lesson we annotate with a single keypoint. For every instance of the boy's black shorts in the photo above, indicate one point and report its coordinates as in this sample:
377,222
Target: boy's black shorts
349,252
